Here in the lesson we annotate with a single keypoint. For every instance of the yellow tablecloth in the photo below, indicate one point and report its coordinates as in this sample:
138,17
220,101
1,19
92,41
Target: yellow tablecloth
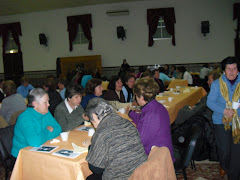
176,82
40,166
179,100
195,73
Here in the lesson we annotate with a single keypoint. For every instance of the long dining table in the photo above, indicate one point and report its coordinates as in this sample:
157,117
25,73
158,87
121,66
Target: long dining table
176,82
180,97
40,166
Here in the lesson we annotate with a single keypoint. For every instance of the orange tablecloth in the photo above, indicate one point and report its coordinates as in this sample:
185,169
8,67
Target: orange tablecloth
176,82
105,85
40,166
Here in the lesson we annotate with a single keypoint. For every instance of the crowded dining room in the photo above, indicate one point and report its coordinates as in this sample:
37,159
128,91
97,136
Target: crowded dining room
120,89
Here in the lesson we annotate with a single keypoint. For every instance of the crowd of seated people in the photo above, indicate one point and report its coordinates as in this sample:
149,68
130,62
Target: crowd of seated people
71,106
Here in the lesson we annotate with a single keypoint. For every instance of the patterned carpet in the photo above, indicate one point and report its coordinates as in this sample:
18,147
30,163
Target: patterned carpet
207,171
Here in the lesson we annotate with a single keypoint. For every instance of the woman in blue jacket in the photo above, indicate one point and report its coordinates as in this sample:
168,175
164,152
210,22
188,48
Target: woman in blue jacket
36,124
224,91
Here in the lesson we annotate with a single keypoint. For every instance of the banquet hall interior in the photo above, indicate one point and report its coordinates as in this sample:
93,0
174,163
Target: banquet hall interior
59,38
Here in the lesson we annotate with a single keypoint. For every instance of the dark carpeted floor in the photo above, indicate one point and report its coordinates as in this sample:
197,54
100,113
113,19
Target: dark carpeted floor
2,172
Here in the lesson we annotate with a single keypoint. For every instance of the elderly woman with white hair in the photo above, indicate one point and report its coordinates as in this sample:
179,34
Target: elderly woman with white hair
116,149
36,124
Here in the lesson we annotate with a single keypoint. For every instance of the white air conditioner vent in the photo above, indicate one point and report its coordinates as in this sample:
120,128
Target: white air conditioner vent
118,13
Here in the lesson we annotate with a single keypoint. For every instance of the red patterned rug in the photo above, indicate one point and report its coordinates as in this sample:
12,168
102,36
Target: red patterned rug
207,171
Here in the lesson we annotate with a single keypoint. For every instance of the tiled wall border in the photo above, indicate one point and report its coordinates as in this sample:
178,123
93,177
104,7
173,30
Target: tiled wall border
107,71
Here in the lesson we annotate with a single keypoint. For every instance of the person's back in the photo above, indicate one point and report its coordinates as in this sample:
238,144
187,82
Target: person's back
1,96
123,151
12,104
13,101
204,72
187,76
54,100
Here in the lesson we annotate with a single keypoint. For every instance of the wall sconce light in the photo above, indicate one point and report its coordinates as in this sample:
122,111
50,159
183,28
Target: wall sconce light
205,27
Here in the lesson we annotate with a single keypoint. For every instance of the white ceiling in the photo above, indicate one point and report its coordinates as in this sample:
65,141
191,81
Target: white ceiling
10,7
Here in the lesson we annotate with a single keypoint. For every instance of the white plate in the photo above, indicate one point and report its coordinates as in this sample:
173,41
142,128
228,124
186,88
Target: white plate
161,101
176,92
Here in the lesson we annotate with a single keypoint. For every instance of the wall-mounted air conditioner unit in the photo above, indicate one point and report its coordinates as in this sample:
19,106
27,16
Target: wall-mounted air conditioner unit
117,13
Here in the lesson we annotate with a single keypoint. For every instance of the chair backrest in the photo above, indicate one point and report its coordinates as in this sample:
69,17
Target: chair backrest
3,122
191,141
14,117
6,136
158,166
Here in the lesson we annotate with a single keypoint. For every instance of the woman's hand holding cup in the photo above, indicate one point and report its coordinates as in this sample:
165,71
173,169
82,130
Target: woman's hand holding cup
228,112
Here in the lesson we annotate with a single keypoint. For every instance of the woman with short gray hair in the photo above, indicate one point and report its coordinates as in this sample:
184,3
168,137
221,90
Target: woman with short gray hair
36,124
117,140
35,95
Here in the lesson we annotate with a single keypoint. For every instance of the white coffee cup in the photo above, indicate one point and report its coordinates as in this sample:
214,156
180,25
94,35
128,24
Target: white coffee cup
171,89
235,105
196,87
91,132
64,136
177,87
170,99
122,110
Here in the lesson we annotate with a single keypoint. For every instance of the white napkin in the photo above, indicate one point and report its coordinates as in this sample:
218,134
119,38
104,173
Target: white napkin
79,149
161,101
186,90
54,141
86,123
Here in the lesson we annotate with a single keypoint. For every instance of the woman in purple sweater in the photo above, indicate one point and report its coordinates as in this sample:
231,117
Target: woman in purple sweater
153,122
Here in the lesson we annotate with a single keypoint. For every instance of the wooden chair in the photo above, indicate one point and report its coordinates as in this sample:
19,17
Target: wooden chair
3,122
14,117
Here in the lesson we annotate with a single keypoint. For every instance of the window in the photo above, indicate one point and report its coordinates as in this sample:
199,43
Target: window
161,32
80,37
11,46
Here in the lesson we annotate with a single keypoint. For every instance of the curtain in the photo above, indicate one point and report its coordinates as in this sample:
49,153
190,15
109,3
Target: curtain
15,29
86,23
236,15
153,16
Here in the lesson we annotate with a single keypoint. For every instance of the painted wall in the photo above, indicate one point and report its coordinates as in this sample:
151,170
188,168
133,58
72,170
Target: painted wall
191,45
